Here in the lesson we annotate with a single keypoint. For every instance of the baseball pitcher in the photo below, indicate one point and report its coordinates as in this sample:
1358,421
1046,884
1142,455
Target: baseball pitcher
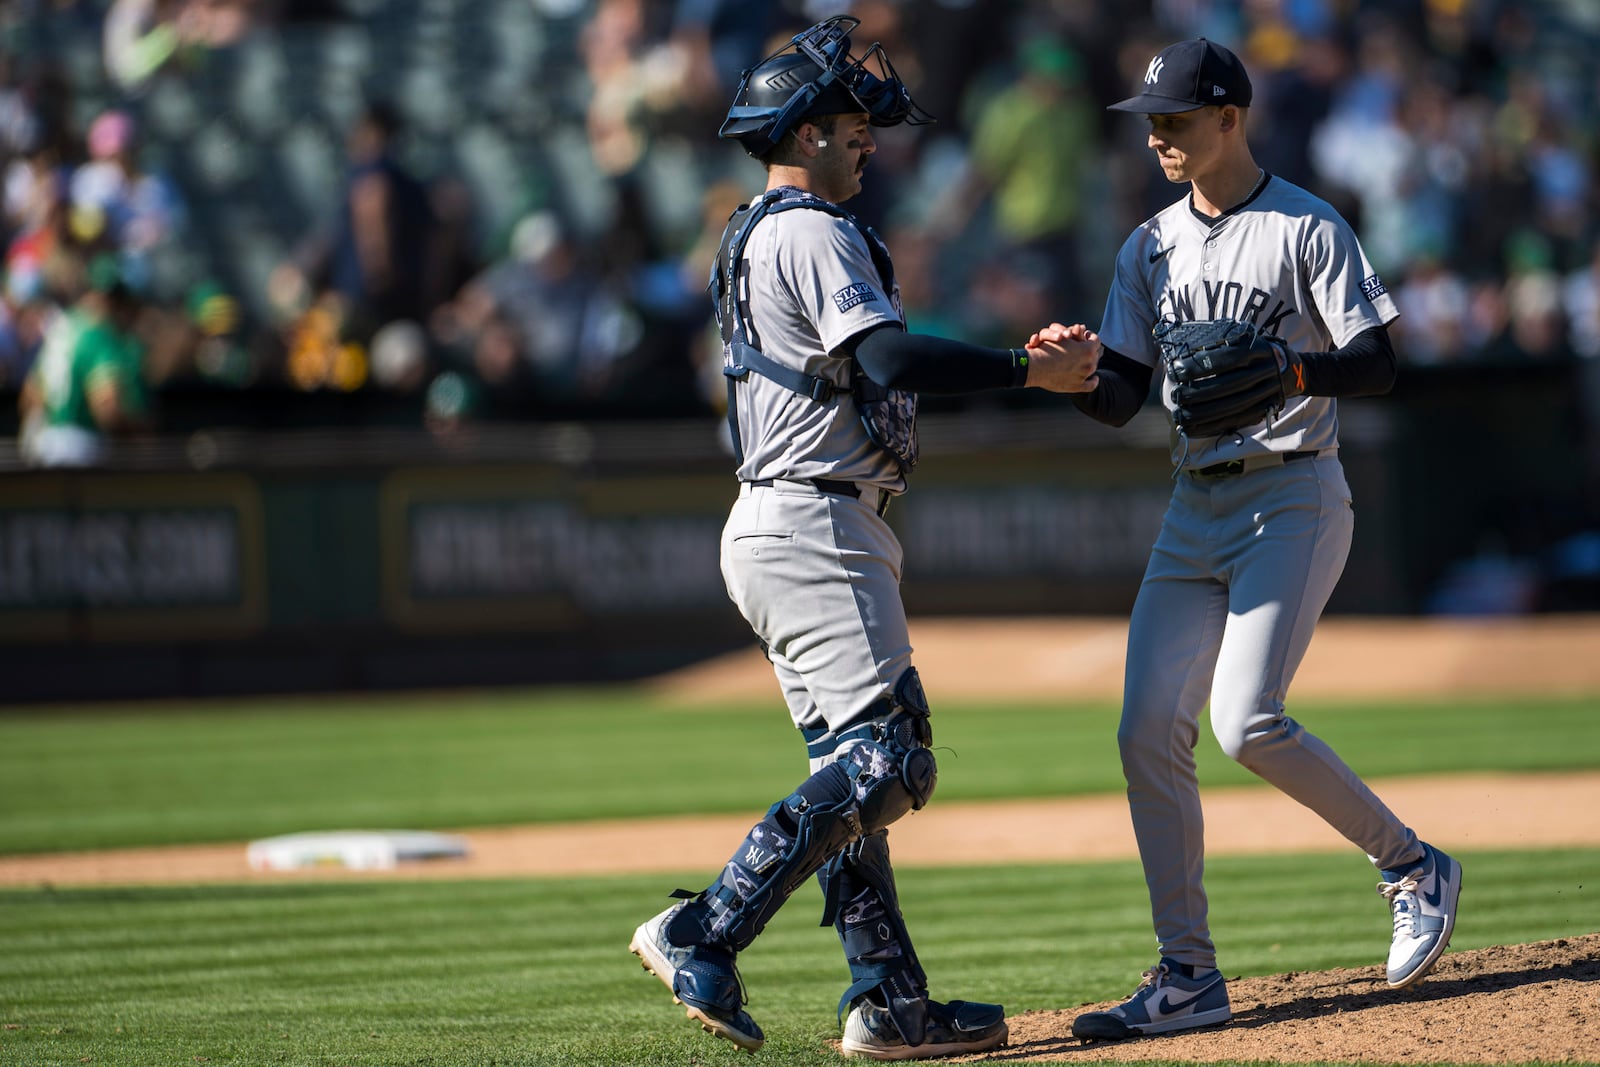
1255,304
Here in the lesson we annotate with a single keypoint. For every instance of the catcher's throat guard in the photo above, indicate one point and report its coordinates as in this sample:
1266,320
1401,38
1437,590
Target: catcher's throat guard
815,74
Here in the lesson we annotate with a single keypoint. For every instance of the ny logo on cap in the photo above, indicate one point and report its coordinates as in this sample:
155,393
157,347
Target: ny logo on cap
1152,74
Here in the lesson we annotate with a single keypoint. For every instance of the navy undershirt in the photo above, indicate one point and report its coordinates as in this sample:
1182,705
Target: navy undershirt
1364,367
922,363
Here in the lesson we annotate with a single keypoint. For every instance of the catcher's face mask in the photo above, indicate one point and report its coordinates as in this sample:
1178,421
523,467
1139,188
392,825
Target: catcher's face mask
814,74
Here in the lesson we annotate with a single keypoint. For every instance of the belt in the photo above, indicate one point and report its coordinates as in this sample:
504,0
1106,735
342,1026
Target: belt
1239,466
833,487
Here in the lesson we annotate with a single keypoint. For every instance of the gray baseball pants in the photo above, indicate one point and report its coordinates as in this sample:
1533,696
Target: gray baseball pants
1238,577
817,576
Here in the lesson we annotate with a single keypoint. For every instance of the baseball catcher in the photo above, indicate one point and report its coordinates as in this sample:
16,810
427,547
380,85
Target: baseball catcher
1226,375
823,379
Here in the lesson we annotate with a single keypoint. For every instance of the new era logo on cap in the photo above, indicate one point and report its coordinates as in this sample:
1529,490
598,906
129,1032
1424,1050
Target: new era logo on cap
1188,75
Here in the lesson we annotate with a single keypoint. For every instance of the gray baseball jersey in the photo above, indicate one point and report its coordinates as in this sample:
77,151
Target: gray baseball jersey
1283,260
1247,556
811,286
815,573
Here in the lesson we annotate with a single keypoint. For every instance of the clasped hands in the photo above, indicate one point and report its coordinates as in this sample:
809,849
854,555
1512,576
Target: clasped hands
1064,359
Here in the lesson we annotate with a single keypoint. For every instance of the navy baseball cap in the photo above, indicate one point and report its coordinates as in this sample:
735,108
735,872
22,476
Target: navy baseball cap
1190,75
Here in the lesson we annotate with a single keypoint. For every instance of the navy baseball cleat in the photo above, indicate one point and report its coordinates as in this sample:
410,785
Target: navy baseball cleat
703,979
952,1029
1423,899
1171,997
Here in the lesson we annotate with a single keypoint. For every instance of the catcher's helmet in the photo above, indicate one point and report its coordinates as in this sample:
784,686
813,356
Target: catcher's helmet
818,77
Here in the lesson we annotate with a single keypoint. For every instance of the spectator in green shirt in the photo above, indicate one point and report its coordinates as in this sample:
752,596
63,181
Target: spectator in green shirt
86,387
1028,156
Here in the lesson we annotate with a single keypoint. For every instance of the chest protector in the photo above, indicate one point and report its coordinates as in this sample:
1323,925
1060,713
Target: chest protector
888,415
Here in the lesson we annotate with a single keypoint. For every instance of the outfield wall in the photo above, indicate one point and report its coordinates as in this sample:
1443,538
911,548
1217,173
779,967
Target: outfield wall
242,562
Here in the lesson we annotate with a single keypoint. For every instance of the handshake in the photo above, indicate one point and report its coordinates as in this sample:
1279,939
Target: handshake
1064,359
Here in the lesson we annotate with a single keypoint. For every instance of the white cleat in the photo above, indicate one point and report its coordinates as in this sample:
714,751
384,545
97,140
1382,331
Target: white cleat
1423,900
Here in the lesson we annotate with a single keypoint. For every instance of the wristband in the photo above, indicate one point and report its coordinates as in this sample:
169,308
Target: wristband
1019,368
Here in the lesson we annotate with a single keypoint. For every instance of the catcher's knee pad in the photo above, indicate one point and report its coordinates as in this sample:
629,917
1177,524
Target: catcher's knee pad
906,735
881,770
889,781
887,755
860,900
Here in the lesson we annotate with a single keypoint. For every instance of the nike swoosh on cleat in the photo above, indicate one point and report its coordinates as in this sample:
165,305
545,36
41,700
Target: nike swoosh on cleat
1167,1005
1158,256
1437,895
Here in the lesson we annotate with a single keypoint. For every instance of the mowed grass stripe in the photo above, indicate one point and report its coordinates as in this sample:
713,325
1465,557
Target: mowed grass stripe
537,972
150,776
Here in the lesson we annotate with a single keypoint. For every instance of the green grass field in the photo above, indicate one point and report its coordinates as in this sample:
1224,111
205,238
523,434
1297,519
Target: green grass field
537,971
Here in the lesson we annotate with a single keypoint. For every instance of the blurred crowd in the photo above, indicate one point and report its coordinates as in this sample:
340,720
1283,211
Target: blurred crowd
506,209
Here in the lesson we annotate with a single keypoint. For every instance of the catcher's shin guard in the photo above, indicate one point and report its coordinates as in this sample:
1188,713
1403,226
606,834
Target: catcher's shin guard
859,898
880,770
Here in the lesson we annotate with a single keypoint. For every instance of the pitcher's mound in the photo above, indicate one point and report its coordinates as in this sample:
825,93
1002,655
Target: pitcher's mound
1516,1004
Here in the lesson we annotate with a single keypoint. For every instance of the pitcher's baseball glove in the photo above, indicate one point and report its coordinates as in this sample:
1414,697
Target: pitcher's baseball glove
1226,375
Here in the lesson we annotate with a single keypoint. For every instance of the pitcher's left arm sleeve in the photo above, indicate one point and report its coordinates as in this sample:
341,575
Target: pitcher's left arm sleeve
1364,367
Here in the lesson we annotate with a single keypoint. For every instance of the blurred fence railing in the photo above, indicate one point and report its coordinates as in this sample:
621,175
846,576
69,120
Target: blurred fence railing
248,560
